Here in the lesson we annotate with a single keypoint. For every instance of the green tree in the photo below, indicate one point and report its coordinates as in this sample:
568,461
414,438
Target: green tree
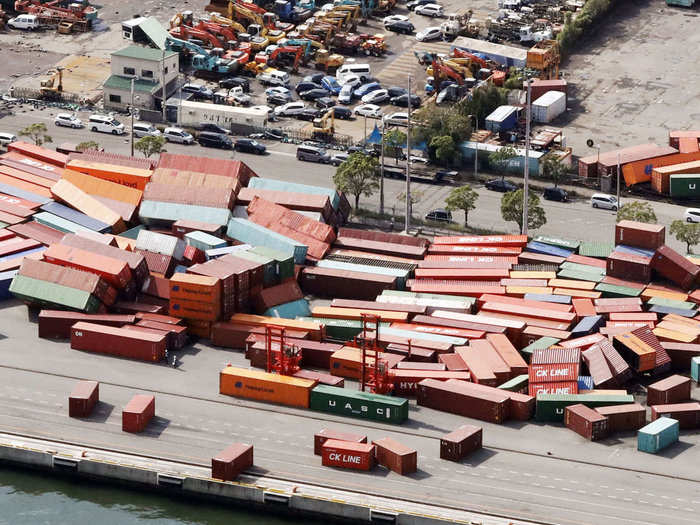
150,145
88,144
687,232
37,132
553,168
512,210
500,158
462,198
445,149
416,197
636,211
394,142
357,176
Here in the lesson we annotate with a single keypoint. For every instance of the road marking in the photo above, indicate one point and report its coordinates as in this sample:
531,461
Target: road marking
611,496
565,489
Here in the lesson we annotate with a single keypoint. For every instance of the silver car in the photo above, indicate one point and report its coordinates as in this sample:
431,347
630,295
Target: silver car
178,135
144,129
68,120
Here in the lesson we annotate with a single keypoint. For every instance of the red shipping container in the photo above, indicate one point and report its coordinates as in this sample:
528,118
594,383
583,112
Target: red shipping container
56,324
627,265
136,261
539,258
586,422
407,365
453,362
521,407
406,381
640,234
465,399
117,341
39,153
681,353
230,462
568,387
624,417
412,353
328,433
40,232
286,292
83,398
463,274
508,353
669,391
177,333
344,454
582,342
268,214
559,355
583,307
116,272
396,456
480,371
138,413
671,265
608,279
598,367
329,282
618,366
460,442
550,373
687,414
484,240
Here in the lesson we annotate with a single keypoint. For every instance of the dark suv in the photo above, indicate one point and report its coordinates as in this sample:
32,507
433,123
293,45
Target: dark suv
228,83
503,186
556,194
250,146
214,140
208,126
400,26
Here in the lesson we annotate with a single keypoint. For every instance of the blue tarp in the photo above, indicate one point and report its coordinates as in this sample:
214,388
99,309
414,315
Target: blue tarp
375,137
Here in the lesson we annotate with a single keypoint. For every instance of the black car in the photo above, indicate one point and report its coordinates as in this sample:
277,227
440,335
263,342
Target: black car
342,113
278,100
556,194
208,126
402,101
214,140
313,94
415,3
315,78
306,86
396,91
400,26
228,83
363,150
325,103
308,114
503,186
250,146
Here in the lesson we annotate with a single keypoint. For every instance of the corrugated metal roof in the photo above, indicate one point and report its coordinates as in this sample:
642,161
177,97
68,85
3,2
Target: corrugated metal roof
124,84
548,98
153,30
596,249
631,154
143,53
501,113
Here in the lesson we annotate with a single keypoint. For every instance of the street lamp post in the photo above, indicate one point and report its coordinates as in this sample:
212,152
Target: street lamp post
476,146
132,115
407,222
526,189
381,172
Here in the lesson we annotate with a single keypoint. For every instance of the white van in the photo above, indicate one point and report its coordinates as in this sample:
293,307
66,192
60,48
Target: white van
274,77
605,201
7,138
30,22
144,129
361,70
106,124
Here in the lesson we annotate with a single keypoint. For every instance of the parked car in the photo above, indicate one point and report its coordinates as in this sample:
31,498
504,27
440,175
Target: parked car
433,10
29,22
289,109
208,126
278,100
250,146
315,78
692,215
556,194
306,86
394,18
367,88
278,90
177,135
402,101
145,129
7,138
342,113
412,4
325,103
439,215
350,80
331,84
228,83
214,140
605,201
369,110
346,94
428,34
198,90
396,91
313,94
68,120
274,77
308,114
313,154
400,26
339,158
397,119
502,185
106,124
376,97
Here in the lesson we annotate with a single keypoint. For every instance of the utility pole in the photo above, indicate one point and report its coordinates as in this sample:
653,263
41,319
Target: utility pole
381,172
407,222
132,115
365,141
476,146
162,81
618,182
526,169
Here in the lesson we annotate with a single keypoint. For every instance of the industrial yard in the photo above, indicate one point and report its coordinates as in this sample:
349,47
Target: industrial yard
205,292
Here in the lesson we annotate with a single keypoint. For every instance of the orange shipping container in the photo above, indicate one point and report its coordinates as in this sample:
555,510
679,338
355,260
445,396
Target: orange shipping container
484,240
261,386
124,175
586,294
195,310
313,328
76,198
347,362
28,177
115,272
356,314
191,287
103,188
508,353
570,283
641,170
24,185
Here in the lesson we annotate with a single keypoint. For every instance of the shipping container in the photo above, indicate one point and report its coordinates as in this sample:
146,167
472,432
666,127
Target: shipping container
39,153
262,386
39,232
47,294
58,223
5,282
553,388
588,325
406,381
395,249
642,235
347,362
136,262
687,414
114,271
396,456
249,232
363,405
674,267
517,384
234,169
549,106
550,407
228,464
331,434
176,334
93,337
629,266
658,435
138,413
453,362
624,417
327,312
125,175
598,367
56,324
165,213
695,368
95,215
465,399
685,186
328,282
347,454
459,443
669,391
83,398
586,422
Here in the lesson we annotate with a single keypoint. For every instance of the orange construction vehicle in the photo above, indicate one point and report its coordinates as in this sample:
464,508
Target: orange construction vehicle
460,53
440,71
279,54
184,32
221,32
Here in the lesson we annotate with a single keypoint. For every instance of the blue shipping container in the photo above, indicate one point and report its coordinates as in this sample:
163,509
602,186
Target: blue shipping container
213,253
5,282
548,298
248,232
279,185
660,309
585,383
58,223
658,435
290,310
633,250
502,118
22,254
588,325
548,249
695,368
26,195
153,212
77,217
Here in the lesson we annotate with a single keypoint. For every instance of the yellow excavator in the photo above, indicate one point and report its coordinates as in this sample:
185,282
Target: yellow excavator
218,19
52,87
324,126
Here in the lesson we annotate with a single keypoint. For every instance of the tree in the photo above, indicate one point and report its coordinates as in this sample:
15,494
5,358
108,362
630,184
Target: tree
394,142
554,169
462,198
687,232
88,144
36,132
416,197
512,210
150,145
357,176
445,149
636,211
500,159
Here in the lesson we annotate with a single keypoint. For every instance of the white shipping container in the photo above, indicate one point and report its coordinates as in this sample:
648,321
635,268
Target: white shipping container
549,106
160,243
195,113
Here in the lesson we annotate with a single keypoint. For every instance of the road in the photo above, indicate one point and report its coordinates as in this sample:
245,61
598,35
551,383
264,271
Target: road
526,470
575,219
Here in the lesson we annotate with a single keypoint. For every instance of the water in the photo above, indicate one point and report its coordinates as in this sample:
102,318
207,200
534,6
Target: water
32,498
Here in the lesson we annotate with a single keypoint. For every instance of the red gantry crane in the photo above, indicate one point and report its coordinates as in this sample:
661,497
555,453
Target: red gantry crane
281,358
374,373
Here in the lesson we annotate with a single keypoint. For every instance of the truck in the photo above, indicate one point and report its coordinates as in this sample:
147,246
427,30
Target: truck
206,64
193,114
418,173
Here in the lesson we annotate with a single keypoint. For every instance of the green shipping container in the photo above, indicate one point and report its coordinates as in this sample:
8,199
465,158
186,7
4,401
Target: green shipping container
270,277
133,233
285,261
59,223
550,407
542,342
203,241
49,294
613,290
578,275
556,241
685,186
3,224
658,435
695,368
362,405
596,249
671,303
517,384
340,329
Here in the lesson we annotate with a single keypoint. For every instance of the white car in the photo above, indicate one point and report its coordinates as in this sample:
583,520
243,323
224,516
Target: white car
178,135
369,110
692,215
428,34
278,90
144,129
400,118
394,18
375,97
68,120
605,201
433,10
7,138
290,109
30,22
350,80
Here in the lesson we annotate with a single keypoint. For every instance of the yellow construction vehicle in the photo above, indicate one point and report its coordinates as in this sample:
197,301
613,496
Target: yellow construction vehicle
218,19
328,62
544,57
238,12
324,126
52,87
64,28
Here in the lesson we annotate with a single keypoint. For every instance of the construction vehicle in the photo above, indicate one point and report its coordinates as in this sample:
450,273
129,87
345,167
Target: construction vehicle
461,53
459,24
272,22
324,126
220,31
223,21
205,64
530,34
320,32
289,12
184,32
280,56
374,45
544,57
65,28
346,43
327,61
51,14
52,87
310,47
282,358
